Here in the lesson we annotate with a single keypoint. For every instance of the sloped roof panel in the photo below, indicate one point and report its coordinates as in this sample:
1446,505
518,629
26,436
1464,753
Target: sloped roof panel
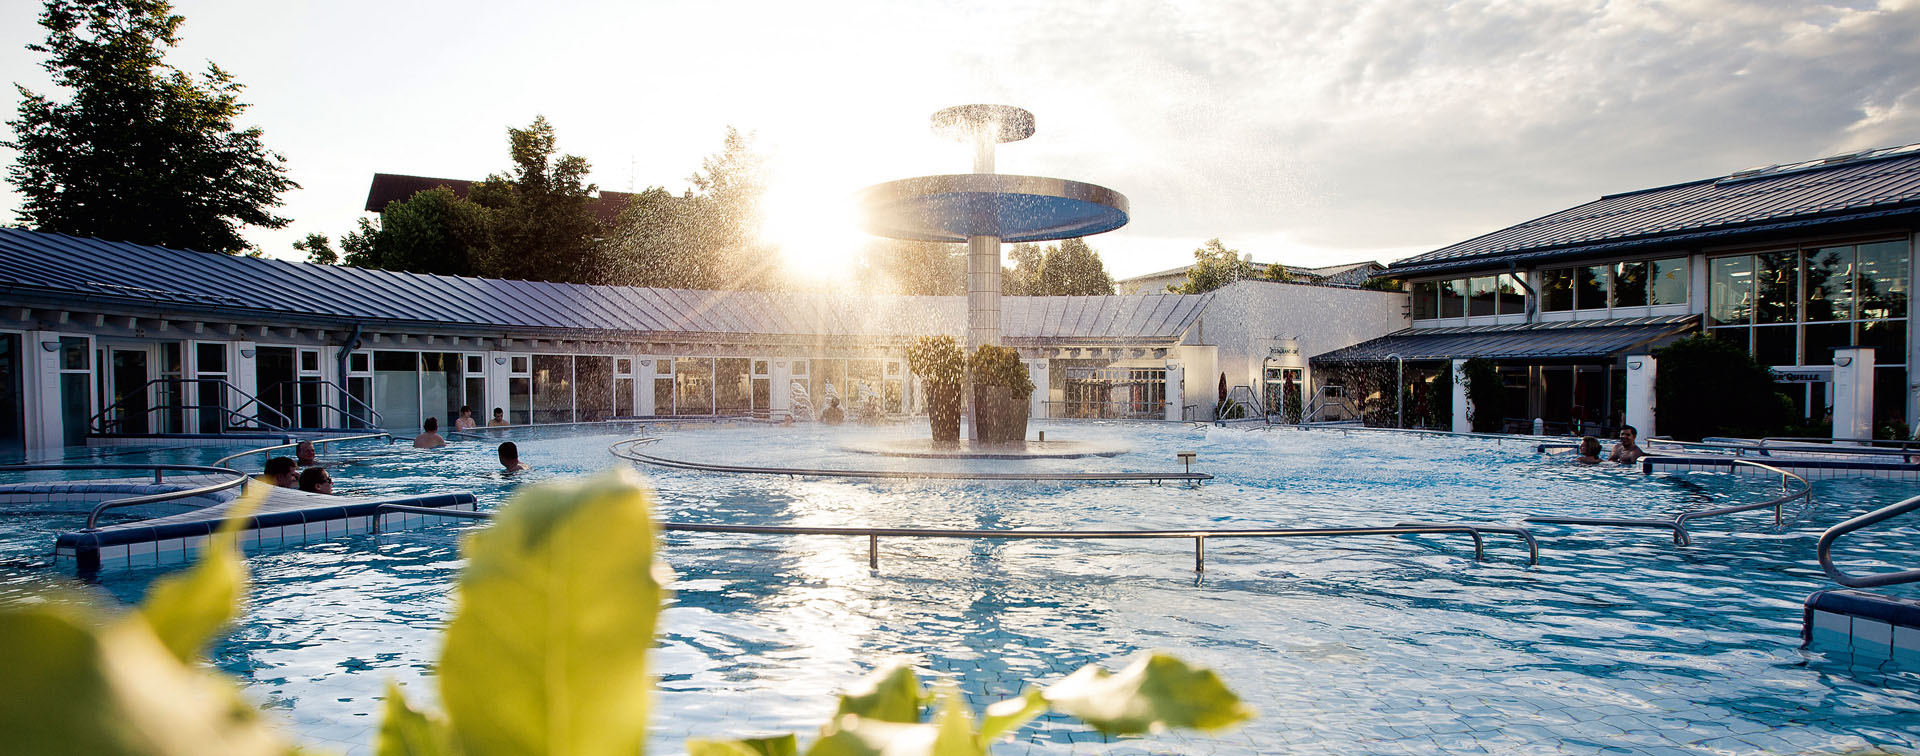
1873,184
1537,341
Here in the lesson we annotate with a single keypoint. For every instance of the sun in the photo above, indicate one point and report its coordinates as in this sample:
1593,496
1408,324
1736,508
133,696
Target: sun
812,224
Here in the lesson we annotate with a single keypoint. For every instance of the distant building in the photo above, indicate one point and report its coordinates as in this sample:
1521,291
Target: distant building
1787,261
1348,274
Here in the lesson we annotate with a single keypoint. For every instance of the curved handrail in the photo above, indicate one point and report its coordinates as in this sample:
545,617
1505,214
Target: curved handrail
874,534
1827,539
158,471
1525,535
624,450
316,442
1678,524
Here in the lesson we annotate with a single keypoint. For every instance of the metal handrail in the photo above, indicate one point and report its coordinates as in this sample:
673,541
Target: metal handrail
97,420
875,534
1904,444
1126,409
159,475
624,450
1678,523
373,418
1827,539
1525,535
316,442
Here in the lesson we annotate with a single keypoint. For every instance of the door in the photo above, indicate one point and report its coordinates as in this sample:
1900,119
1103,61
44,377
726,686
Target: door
128,392
274,378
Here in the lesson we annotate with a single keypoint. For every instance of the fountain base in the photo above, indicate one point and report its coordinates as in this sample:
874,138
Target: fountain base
924,448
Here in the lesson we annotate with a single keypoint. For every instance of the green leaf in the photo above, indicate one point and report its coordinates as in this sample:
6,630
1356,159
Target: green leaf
1004,717
186,609
74,685
784,745
890,694
407,732
1151,695
547,650
949,734
953,725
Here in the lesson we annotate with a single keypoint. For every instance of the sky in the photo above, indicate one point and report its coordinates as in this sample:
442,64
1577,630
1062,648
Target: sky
1305,132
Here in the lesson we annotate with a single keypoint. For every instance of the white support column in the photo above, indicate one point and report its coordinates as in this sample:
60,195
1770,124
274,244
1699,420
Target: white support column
1176,390
1853,392
243,372
779,386
497,366
46,435
1461,423
1642,375
1037,371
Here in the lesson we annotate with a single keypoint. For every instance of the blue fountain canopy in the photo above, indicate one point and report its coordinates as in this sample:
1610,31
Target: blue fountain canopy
1014,208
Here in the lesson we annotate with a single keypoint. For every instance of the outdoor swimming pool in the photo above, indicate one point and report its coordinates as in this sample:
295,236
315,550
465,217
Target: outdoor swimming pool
1618,642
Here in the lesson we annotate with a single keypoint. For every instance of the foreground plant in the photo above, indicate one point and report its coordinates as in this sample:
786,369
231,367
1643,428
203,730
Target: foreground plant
546,654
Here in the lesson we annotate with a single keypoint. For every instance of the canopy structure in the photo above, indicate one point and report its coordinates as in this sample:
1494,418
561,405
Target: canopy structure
1565,340
954,208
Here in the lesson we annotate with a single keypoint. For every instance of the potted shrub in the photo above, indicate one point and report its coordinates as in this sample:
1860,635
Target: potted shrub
942,366
1001,390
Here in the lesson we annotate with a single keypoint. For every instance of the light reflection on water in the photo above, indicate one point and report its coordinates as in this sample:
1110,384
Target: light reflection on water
1617,640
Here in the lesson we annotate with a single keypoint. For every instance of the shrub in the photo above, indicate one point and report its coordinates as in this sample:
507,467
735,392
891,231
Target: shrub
1707,387
1001,366
547,653
1485,395
938,359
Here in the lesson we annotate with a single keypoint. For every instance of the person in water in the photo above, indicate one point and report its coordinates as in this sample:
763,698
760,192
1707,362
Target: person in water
281,472
499,418
465,420
510,458
303,454
1628,451
316,480
833,414
1589,451
430,439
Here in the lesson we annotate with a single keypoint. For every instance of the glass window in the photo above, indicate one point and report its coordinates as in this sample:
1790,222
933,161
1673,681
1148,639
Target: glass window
1590,287
357,362
1883,280
553,388
1829,285
396,390
207,357
309,361
1425,301
799,367
1630,284
1776,287
1774,345
1888,338
593,389
1669,282
1730,293
623,397
1480,296
759,367
731,391
76,404
662,396
1821,340
1740,337
73,353
1453,298
1556,290
519,365
693,386
1512,300
520,400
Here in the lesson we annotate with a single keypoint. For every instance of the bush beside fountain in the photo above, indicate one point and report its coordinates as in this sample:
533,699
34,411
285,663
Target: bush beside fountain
1001,390
942,365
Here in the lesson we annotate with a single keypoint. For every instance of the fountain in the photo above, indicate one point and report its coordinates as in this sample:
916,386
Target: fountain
984,209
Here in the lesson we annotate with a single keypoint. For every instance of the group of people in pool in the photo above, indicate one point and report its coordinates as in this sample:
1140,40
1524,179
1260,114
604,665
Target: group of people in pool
304,472
1626,452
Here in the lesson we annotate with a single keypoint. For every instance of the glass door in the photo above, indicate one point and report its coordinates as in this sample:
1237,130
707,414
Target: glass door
128,392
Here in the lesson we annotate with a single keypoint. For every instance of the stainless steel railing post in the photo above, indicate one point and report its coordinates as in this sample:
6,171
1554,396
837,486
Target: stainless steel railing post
1200,554
873,551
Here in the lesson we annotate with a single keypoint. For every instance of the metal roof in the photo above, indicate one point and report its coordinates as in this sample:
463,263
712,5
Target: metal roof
1533,341
59,268
1875,183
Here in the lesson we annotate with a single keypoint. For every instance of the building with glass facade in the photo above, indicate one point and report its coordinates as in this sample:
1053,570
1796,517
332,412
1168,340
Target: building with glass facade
1788,261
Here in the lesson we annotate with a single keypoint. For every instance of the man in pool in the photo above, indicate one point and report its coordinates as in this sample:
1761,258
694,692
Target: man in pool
282,472
303,454
499,417
510,457
1589,451
316,480
430,439
1627,451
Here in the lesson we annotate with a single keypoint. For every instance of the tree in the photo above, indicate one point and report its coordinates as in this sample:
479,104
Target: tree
542,229
726,210
1214,266
142,152
1073,269
1381,283
1708,387
915,268
1023,279
655,242
319,249
1277,273
434,231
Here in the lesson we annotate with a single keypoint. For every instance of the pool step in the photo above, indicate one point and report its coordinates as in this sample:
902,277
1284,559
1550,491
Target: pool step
287,517
1874,626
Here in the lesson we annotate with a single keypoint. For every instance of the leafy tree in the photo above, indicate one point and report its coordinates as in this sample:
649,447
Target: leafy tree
915,268
434,231
655,242
1485,394
1023,279
319,249
1214,266
1277,273
726,210
542,229
142,152
1073,269
1379,283
1707,387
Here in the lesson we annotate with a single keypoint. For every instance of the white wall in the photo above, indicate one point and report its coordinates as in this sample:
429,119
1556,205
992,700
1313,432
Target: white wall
1246,316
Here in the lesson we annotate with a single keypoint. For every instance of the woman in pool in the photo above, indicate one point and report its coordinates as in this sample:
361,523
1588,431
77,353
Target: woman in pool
465,420
1589,451
316,480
